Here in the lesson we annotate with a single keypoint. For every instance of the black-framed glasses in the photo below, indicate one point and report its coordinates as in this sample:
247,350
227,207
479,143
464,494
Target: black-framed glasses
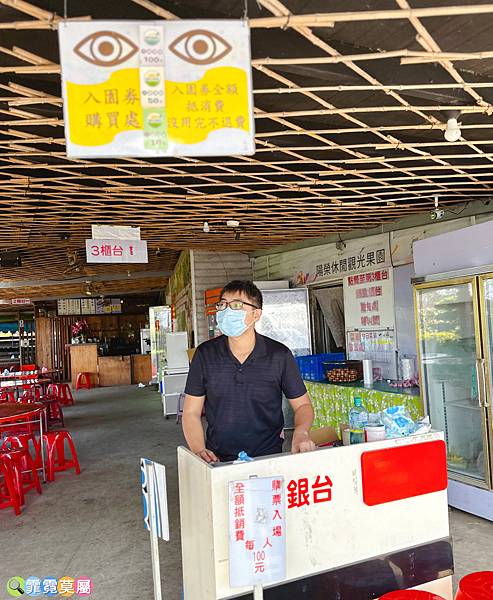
233,305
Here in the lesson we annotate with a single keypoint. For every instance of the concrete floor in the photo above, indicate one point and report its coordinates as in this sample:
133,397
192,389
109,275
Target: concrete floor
91,525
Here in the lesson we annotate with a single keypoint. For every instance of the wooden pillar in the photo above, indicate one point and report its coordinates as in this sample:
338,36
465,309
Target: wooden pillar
44,355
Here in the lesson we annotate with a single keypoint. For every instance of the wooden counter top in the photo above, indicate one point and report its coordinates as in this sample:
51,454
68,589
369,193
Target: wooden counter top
109,370
114,370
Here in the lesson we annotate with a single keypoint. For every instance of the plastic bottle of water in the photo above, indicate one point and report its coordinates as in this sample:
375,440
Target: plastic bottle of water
358,415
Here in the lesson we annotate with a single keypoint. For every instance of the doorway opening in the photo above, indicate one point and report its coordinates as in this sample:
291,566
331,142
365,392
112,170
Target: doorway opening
327,318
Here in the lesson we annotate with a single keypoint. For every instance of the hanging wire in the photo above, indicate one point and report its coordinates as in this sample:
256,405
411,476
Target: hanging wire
65,2
245,10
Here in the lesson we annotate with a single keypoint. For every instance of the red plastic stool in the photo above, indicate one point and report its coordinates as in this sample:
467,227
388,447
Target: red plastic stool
35,390
64,394
23,440
8,492
83,381
25,473
7,396
476,586
52,391
410,595
28,397
54,412
55,447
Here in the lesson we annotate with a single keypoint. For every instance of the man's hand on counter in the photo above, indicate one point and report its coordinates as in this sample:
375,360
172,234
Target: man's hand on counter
303,419
301,442
207,455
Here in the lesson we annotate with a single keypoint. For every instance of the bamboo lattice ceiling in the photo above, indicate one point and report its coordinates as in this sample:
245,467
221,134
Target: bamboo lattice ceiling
351,101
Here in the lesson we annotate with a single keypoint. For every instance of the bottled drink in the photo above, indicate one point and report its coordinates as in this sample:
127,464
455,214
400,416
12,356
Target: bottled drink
358,415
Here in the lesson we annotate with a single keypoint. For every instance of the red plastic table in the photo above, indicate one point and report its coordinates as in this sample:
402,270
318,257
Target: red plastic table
24,414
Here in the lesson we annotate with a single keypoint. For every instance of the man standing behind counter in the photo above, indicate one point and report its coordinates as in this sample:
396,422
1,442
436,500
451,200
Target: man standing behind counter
240,377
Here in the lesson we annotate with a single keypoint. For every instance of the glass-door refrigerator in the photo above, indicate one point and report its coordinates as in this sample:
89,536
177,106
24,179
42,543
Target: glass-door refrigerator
455,343
160,323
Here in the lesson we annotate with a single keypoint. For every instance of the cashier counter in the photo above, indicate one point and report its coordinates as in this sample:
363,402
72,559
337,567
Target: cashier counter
385,527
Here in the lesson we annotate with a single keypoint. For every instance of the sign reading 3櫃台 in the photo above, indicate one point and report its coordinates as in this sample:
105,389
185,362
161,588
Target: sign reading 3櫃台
157,88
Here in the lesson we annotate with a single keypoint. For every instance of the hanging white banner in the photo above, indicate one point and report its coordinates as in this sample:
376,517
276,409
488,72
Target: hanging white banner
157,88
115,232
116,251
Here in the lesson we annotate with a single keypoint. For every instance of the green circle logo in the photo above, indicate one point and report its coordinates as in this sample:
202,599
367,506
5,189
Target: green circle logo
15,587
151,37
152,78
155,119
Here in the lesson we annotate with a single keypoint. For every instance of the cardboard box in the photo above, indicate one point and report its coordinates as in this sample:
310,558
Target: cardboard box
324,435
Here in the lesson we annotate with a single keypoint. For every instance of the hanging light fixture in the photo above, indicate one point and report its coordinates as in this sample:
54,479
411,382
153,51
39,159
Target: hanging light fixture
453,132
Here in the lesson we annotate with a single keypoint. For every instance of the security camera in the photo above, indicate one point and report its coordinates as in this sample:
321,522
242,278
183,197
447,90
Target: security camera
437,214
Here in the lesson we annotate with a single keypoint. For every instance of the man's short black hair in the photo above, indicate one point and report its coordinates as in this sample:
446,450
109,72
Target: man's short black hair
246,287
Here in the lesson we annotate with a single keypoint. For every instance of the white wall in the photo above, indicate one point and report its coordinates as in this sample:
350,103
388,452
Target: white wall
287,265
404,310
212,270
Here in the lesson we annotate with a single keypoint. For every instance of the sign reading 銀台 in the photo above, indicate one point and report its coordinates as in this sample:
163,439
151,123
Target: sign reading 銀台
257,531
157,88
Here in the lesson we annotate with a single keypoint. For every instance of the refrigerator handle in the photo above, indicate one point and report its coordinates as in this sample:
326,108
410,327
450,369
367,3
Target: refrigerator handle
480,381
485,391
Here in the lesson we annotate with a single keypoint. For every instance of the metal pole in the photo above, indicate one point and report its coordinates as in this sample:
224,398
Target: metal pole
41,441
156,571
258,592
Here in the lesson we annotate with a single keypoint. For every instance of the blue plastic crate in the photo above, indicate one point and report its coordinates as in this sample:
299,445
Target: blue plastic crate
311,366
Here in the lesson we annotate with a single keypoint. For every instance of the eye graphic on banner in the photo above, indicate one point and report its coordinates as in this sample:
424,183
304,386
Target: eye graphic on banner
200,47
157,89
105,48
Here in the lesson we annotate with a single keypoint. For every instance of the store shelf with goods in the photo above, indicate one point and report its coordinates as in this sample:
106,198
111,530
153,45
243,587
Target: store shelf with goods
332,402
9,349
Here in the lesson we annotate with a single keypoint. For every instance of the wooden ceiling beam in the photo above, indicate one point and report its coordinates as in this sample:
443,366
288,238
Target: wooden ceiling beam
327,18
